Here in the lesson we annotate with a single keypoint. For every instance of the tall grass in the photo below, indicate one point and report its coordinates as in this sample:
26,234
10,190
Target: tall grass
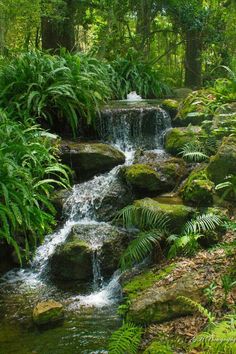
29,171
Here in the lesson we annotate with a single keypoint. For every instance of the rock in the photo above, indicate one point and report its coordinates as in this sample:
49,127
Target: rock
73,261
115,197
178,214
89,159
194,109
198,190
176,138
223,163
171,106
150,156
156,177
48,313
58,199
161,303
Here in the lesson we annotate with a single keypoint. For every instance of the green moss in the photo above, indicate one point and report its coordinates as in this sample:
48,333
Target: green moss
198,189
143,281
143,176
177,214
176,138
171,106
157,347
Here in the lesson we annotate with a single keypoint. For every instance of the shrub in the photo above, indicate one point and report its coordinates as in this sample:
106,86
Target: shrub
54,88
29,172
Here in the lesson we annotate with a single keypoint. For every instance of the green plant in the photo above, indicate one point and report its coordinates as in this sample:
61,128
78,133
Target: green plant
199,308
228,186
227,284
29,170
154,226
210,292
221,338
194,152
131,73
54,88
187,242
126,339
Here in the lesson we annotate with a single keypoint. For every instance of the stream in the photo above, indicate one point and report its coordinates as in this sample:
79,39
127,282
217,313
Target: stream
90,313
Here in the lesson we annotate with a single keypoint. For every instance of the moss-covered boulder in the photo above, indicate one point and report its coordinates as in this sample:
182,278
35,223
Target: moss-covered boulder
73,261
194,109
198,190
48,313
156,177
223,163
177,214
171,106
176,138
89,159
143,177
182,93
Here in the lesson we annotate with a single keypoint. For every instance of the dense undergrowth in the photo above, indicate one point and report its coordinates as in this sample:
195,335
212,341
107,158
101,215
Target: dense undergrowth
30,171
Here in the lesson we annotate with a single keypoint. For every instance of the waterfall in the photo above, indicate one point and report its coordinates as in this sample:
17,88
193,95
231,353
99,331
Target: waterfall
127,128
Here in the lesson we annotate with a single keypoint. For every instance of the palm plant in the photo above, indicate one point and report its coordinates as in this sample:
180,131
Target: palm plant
29,171
228,187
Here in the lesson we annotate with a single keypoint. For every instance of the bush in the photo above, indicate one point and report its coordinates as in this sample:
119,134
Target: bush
54,88
29,171
131,73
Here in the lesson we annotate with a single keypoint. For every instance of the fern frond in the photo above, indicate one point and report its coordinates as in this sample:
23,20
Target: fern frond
199,308
126,339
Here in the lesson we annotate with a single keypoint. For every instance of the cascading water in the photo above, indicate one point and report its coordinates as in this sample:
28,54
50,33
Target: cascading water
127,128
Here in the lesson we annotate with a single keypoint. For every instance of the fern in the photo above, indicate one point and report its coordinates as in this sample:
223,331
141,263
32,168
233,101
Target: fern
194,152
125,340
140,248
199,308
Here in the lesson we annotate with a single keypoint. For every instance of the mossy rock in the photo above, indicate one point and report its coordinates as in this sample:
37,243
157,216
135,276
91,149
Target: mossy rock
171,106
198,190
156,177
177,214
176,138
143,281
143,176
73,261
160,303
157,347
194,109
89,159
48,313
223,163
182,93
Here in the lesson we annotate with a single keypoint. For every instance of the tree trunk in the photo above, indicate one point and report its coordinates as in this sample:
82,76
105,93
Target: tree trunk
57,33
193,63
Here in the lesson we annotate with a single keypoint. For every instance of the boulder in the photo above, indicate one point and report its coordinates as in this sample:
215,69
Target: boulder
177,214
156,177
58,199
155,298
89,159
182,92
115,197
198,190
48,313
171,106
176,138
223,163
73,261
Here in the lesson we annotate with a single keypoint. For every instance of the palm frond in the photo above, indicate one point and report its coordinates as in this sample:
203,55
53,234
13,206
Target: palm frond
126,339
